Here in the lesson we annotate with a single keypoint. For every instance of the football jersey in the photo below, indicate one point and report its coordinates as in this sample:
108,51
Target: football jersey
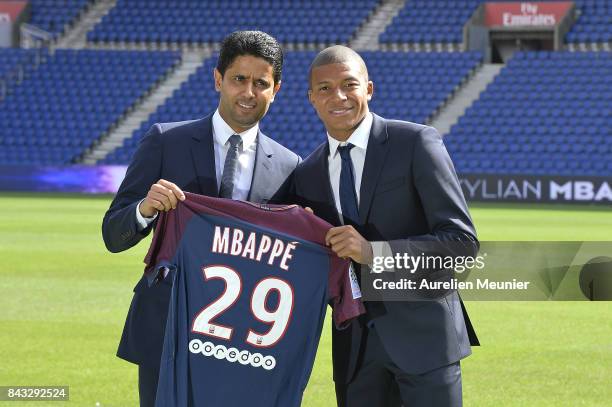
250,288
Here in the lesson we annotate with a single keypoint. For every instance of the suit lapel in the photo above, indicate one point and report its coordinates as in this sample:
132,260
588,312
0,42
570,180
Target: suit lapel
374,161
262,171
203,156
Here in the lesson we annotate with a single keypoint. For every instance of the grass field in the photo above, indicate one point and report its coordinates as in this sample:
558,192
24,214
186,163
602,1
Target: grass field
64,299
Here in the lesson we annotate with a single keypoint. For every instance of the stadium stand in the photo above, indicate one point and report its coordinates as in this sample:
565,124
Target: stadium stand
12,58
194,98
412,86
594,23
54,16
194,21
407,85
547,113
430,21
72,99
13,64
442,21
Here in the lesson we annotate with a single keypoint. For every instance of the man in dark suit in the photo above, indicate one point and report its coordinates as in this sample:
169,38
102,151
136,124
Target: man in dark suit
224,154
388,186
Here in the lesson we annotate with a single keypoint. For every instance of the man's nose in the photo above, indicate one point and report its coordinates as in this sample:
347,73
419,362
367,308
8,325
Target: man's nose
248,90
339,93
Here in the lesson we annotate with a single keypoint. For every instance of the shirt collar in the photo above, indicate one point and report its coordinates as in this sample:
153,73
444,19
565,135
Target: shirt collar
359,138
222,132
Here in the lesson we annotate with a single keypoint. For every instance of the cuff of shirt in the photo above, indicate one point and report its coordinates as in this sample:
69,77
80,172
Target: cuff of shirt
381,249
143,222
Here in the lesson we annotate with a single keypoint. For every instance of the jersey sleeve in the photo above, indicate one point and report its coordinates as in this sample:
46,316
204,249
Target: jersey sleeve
162,247
344,293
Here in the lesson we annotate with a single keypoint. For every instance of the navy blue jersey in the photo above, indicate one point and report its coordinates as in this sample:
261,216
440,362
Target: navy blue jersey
251,285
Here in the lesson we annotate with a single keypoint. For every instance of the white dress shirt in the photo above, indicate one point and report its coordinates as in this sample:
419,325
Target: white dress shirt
359,139
246,160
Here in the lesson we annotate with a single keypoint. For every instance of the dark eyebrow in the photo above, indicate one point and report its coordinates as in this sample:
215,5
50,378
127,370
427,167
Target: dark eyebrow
347,79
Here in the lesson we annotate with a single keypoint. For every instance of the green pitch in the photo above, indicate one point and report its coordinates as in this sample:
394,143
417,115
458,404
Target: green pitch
63,301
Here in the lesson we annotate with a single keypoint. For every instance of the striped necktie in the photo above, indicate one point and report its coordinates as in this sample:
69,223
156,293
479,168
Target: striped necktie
229,168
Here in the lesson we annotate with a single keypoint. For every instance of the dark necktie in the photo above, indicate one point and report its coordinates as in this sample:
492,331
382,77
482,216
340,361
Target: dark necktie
348,196
229,168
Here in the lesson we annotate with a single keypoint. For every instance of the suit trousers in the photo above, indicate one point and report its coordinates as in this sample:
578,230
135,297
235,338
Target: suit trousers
147,385
379,382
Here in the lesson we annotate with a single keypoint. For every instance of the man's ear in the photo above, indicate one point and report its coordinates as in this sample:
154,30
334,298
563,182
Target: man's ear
275,90
218,80
370,90
310,96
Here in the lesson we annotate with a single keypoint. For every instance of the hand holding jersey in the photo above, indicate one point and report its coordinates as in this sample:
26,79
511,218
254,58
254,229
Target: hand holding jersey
162,197
346,242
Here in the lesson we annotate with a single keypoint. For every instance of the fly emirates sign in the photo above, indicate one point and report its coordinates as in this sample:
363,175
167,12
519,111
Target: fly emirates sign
525,14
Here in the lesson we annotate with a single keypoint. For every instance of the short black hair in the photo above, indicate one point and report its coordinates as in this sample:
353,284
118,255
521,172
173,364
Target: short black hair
255,43
337,54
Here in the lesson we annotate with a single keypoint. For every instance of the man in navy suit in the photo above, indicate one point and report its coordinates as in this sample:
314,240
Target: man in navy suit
388,186
223,154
